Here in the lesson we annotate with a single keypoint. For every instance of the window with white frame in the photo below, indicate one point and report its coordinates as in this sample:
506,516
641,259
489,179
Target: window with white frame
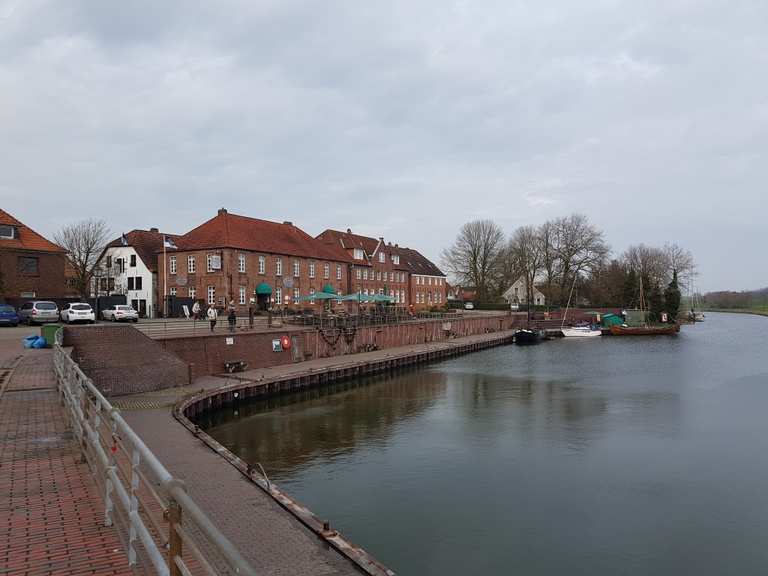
192,292
262,265
397,297
395,259
296,295
358,253
191,263
172,265
381,290
173,290
382,257
378,275
365,292
338,271
241,263
279,296
211,294
326,271
211,262
365,274
311,295
402,296
278,266
359,273
241,294
296,268
311,269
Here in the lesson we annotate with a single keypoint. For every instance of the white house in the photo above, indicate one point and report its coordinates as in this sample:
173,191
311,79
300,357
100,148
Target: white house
128,266
518,293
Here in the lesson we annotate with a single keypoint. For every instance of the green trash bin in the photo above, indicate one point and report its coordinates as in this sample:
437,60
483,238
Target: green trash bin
48,331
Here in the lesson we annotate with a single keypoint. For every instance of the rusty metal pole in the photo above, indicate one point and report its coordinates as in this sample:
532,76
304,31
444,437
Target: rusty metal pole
174,538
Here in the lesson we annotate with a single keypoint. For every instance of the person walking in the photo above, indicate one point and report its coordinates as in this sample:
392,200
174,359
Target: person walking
213,315
232,317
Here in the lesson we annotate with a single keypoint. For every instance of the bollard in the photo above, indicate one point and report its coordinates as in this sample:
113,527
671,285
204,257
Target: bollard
174,538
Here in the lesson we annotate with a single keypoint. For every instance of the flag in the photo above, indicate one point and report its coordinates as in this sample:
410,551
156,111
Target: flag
168,242
124,240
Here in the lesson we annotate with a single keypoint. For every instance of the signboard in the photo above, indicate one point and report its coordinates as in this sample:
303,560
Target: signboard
288,282
230,341
186,311
277,346
215,260
181,280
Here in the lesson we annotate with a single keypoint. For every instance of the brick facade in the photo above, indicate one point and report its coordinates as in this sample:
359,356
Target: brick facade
260,268
21,279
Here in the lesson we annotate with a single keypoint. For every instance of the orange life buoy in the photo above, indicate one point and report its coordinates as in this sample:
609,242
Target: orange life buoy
285,342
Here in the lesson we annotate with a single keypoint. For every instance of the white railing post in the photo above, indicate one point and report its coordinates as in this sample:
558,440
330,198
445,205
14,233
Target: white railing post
112,467
133,510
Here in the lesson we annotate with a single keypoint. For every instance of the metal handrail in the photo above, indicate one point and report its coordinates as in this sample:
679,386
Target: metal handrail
90,414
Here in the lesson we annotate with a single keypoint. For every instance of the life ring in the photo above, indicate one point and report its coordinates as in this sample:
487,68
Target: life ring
285,342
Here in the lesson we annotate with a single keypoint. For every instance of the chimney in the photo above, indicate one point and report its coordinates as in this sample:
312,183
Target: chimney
381,239
396,246
288,223
155,230
222,211
349,230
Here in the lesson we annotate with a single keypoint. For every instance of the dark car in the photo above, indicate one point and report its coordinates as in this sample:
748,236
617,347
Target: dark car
8,316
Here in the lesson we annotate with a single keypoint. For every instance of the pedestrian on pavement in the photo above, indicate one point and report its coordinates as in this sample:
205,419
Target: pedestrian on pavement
213,315
232,317
251,313
196,310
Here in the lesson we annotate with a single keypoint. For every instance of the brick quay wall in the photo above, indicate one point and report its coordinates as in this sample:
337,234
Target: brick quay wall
207,354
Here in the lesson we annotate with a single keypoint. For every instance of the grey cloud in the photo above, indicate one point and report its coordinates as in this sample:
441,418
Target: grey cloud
395,118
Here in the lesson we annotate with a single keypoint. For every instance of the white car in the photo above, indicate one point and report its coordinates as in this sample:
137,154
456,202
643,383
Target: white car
77,312
120,313
469,306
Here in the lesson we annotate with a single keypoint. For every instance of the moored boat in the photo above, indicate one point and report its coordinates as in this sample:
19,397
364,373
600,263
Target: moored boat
581,332
525,336
668,329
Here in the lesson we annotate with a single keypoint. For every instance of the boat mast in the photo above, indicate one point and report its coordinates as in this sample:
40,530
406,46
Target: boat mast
567,306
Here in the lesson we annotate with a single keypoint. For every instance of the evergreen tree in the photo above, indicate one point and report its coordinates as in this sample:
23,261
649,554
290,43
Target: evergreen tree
629,292
655,303
672,298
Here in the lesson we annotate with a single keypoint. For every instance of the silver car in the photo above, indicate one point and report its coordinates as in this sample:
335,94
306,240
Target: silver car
38,312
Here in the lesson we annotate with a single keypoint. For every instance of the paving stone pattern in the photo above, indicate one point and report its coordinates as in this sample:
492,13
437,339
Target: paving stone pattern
51,515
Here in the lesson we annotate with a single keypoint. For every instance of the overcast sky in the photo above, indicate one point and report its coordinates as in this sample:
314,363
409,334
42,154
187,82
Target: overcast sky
396,118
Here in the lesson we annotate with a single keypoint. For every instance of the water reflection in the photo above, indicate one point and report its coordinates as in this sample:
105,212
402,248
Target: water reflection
622,456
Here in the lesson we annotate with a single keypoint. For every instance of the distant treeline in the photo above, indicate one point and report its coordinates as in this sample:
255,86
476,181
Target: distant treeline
746,300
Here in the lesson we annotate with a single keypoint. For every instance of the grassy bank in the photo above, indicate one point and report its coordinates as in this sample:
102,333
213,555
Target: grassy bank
758,311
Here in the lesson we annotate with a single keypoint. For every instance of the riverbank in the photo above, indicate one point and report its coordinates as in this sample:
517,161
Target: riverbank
755,311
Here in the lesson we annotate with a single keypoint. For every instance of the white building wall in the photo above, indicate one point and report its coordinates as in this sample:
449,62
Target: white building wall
148,278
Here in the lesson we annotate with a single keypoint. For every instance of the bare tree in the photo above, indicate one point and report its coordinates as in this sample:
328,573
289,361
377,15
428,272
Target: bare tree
649,262
525,248
681,260
474,257
550,260
84,242
580,248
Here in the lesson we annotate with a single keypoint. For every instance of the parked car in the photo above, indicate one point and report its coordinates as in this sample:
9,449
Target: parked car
8,316
39,312
469,306
120,313
78,312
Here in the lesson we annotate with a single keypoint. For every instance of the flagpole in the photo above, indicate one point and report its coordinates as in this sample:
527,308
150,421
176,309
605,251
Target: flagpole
165,280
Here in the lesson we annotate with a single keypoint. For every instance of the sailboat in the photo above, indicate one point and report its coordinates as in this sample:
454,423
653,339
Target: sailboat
577,331
646,329
693,315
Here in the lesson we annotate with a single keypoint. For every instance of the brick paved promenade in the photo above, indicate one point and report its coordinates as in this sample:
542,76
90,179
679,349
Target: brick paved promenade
51,516
271,539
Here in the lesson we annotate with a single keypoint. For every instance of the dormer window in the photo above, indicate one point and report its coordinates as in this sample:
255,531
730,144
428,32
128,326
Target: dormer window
382,257
395,259
358,254
8,232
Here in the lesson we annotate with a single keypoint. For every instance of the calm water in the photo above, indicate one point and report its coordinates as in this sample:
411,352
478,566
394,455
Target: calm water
615,456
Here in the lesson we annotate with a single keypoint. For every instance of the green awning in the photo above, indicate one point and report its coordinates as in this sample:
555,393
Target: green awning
328,289
318,296
264,289
382,298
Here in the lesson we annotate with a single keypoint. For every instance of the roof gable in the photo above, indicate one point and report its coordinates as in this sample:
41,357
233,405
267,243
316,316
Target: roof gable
27,238
146,243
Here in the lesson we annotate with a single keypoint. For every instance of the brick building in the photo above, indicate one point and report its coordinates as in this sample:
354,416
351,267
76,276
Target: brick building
236,258
376,267
30,265
383,268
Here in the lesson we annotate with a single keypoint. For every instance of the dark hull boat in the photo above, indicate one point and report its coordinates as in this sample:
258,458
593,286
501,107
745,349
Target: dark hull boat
523,337
669,329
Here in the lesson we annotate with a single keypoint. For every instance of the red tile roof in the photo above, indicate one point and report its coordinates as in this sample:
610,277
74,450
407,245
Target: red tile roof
416,263
147,244
227,230
27,238
350,241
